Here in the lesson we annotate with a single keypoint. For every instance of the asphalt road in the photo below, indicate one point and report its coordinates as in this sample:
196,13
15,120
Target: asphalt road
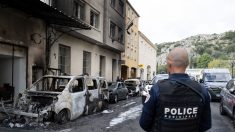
121,117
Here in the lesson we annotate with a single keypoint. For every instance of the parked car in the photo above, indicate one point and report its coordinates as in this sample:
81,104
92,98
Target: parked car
133,86
147,88
117,91
60,98
215,80
227,103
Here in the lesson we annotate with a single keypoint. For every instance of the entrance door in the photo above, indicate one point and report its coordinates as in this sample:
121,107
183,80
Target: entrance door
124,72
13,70
133,72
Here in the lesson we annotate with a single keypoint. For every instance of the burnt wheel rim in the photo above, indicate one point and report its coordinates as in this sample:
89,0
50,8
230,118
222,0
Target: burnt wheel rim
64,117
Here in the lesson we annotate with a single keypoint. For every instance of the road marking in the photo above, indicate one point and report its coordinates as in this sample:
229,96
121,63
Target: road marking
66,130
132,113
128,104
107,111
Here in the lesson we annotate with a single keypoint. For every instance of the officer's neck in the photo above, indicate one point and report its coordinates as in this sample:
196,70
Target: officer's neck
178,71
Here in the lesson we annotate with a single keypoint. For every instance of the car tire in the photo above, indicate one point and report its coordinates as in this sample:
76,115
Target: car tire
62,117
221,109
115,99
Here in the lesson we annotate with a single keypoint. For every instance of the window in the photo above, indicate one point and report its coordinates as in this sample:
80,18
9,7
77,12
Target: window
77,85
121,7
86,62
112,3
120,35
94,19
78,10
94,86
64,59
51,84
112,30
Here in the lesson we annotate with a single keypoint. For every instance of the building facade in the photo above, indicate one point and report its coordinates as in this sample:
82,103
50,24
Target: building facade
130,56
147,58
23,42
96,51
19,53
74,37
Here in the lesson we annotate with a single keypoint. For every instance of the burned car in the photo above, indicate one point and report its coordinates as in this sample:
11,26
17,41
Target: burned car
60,98
133,86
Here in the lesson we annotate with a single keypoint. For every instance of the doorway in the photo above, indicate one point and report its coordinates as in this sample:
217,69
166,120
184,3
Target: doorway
13,62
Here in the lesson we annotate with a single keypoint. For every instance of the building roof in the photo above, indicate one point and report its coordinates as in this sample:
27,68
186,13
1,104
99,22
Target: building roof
132,8
146,39
41,10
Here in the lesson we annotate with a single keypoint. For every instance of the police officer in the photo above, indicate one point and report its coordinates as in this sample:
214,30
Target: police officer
177,104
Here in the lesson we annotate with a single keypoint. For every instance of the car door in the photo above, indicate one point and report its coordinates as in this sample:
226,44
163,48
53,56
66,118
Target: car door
78,92
93,90
227,96
224,94
230,97
119,90
124,91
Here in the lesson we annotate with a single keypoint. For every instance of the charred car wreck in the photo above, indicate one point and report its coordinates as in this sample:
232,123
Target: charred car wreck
60,99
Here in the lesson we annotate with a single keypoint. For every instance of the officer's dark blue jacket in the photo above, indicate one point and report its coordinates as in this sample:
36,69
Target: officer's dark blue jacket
149,109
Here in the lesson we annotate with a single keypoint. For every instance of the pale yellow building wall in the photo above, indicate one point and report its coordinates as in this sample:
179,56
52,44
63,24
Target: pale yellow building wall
147,57
130,56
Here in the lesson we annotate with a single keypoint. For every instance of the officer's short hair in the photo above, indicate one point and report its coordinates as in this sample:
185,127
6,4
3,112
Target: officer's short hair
178,60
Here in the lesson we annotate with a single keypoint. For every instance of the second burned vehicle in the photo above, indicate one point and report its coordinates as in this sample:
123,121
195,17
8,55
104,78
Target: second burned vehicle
133,86
61,98
117,91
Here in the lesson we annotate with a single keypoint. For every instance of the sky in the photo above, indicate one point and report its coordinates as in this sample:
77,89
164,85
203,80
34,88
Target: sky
174,20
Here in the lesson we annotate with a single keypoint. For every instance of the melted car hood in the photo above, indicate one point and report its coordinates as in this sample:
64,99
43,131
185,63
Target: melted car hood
42,93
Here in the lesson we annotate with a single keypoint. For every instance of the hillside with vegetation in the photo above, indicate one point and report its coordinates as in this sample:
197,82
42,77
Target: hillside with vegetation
205,50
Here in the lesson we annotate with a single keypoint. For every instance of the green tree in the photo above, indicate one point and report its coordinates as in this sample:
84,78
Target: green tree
200,49
223,57
230,35
216,54
230,48
218,63
208,51
203,60
161,69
